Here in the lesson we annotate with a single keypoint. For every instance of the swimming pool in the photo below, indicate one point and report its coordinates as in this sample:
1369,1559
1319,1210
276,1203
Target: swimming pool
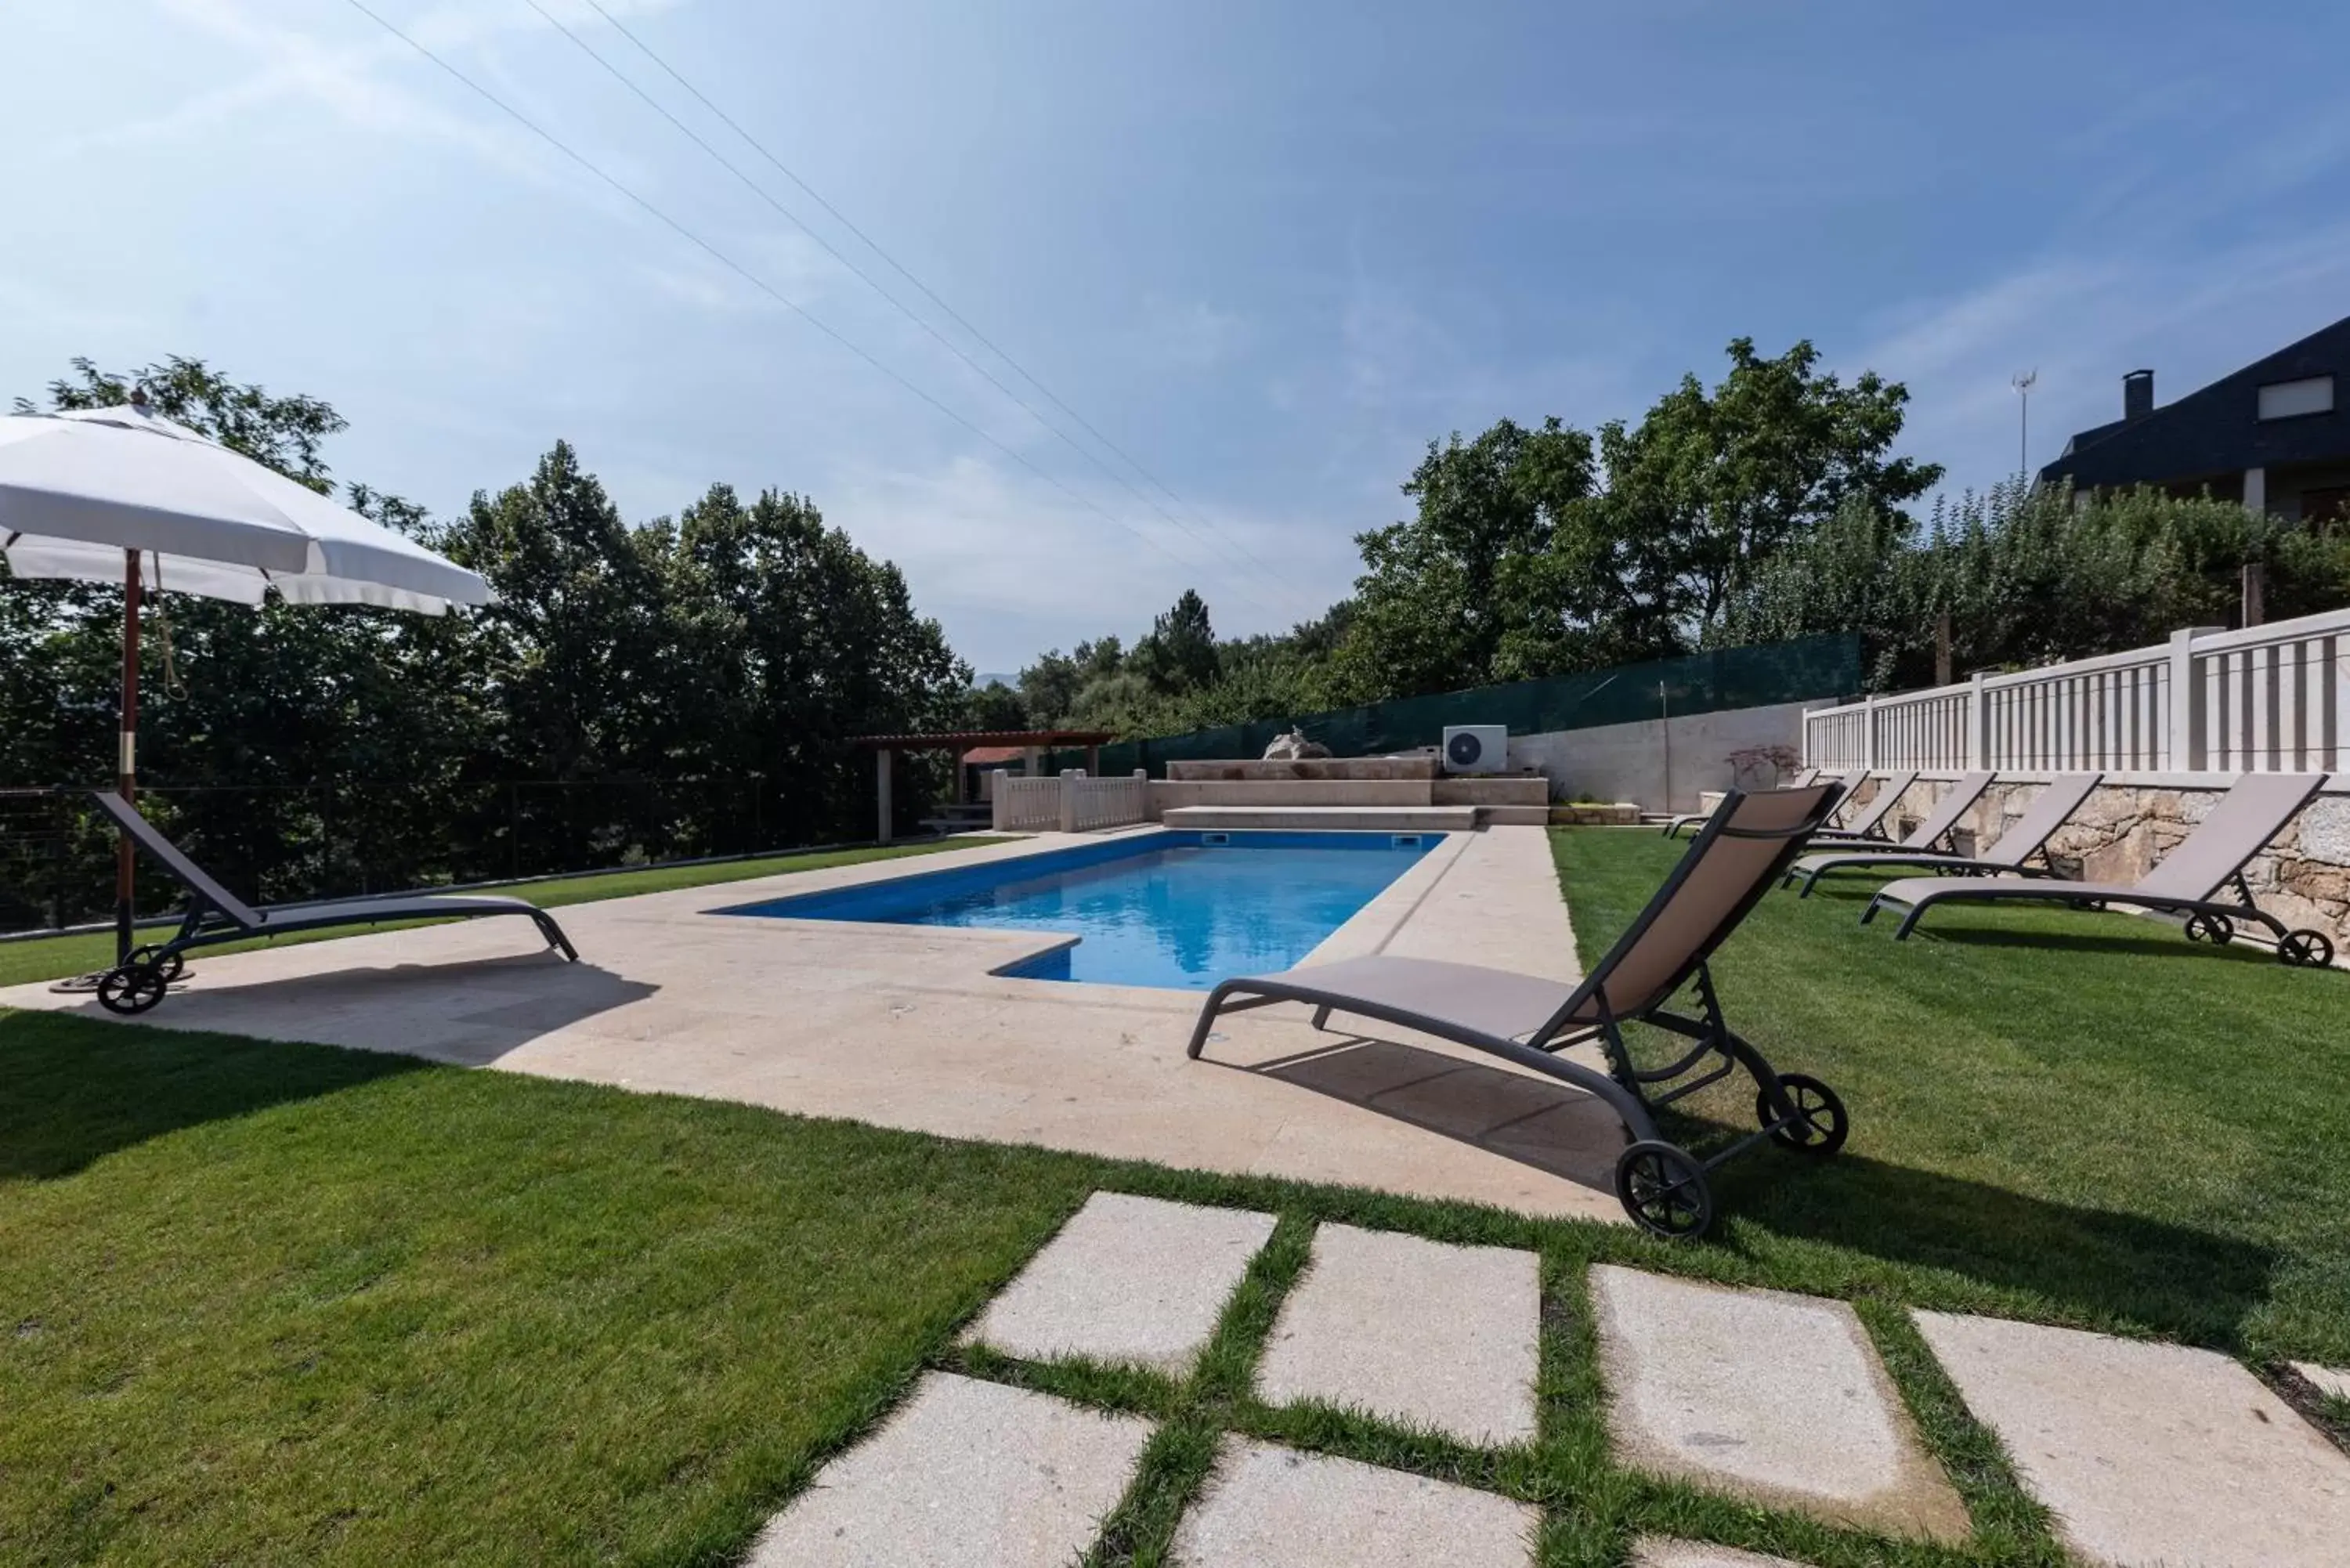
1174,910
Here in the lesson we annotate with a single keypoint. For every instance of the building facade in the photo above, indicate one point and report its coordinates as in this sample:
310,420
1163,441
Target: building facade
2274,435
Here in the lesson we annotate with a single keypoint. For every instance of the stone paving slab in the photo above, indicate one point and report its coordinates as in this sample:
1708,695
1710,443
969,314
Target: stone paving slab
1412,1331
2324,1379
964,1472
1128,1279
1663,1551
1268,1507
1778,1397
2152,1453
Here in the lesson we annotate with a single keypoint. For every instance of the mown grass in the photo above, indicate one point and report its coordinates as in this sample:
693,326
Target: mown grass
263,1303
2060,1114
53,958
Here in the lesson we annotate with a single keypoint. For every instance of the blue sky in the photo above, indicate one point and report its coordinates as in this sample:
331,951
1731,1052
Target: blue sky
1270,250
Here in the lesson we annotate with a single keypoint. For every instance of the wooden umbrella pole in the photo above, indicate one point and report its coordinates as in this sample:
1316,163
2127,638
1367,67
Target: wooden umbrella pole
126,779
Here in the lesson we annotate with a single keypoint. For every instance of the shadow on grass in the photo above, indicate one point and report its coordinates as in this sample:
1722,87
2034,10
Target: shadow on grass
2089,1264
2154,944
73,1091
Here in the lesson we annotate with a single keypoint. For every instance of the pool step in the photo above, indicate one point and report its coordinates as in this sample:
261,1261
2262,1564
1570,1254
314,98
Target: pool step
1332,818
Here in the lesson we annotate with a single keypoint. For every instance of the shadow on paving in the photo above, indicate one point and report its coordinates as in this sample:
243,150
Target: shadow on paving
73,1090
1549,1127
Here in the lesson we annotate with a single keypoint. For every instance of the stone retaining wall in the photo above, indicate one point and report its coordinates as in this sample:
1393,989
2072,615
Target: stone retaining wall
2121,830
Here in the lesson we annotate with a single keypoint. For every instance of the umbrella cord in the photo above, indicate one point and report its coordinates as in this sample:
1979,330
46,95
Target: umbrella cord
171,681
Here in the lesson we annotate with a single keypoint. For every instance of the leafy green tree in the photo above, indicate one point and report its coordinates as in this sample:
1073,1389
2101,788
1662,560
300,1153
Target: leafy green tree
1179,654
1710,483
1441,596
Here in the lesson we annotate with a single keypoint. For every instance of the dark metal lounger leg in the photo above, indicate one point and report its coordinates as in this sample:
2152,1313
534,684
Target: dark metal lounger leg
554,935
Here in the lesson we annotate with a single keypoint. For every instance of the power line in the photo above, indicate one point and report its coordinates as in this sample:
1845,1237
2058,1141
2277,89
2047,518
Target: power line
902,271
874,283
756,282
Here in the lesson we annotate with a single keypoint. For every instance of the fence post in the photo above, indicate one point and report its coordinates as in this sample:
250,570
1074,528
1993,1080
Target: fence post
998,795
1978,724
1868,735
2182,749
1070,780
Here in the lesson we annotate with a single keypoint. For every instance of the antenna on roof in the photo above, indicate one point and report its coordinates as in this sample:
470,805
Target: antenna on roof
2023,384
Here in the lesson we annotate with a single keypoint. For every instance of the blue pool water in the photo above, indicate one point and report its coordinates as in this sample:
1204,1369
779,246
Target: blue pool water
1172,909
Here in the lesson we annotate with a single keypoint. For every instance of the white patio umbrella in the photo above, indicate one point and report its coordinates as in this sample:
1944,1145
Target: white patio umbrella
120,494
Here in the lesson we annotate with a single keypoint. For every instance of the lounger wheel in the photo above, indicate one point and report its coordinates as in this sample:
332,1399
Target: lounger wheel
131,988
2305,950
171,965
2217,929
1663,1190
1821,1126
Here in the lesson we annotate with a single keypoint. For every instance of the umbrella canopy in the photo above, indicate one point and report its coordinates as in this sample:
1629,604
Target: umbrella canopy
122,494
78,490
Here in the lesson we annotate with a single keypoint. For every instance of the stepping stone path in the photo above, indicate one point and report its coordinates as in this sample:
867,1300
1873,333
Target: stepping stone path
1128,1279
1658,1551
2324,1379
2152,1453
2144,1453
1265,1504
1779,1398
1414,1332
964,1472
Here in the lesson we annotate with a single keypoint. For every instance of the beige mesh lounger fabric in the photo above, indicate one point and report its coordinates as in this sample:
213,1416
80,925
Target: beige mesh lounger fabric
1864,829
1527,1021
2055,803
1692,818
2189,878
215,914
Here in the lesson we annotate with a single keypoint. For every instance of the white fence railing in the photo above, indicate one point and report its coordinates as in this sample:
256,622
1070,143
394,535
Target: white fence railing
1069,801
2269,699
1024,804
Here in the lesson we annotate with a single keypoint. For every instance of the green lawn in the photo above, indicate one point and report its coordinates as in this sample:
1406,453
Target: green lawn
52,957
268,1303
2082,1117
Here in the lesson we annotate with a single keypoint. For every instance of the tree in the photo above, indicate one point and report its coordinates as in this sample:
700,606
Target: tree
677,687
1179,654
1709,485
1441,595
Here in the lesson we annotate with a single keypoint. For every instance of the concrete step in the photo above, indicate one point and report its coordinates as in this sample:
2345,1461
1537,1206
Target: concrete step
1331,818
1513,815
1176,794
1496,789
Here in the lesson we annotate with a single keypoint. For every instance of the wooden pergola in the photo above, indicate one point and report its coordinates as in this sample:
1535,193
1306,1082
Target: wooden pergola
1032,742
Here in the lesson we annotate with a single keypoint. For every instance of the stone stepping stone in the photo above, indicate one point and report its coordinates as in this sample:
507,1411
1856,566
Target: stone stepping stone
963,1472
1268,1507
2152,1453
1663,1551
1775,1397
1134,1280
2324,1379
1412,1331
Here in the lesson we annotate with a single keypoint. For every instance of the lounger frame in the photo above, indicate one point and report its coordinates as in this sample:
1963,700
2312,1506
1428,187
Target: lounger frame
1635,1094
213,915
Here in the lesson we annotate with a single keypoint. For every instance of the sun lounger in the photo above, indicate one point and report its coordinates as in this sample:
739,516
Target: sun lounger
1692,818
2188,881
1529,1022
1865,827
2030,835
214,915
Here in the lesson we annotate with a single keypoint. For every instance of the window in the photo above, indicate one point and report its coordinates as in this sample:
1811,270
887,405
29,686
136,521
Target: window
2323,508
2289,400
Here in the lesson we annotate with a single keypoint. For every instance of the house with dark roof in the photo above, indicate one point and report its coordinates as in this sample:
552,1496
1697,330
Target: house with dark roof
2274,435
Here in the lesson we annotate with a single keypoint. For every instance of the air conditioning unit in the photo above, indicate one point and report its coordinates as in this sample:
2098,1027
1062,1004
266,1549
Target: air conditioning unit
1476,748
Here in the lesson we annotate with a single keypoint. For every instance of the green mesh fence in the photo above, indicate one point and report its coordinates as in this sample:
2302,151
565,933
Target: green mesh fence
1824,668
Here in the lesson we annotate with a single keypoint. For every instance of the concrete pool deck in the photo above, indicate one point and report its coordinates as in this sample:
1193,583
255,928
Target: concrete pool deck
906,1026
